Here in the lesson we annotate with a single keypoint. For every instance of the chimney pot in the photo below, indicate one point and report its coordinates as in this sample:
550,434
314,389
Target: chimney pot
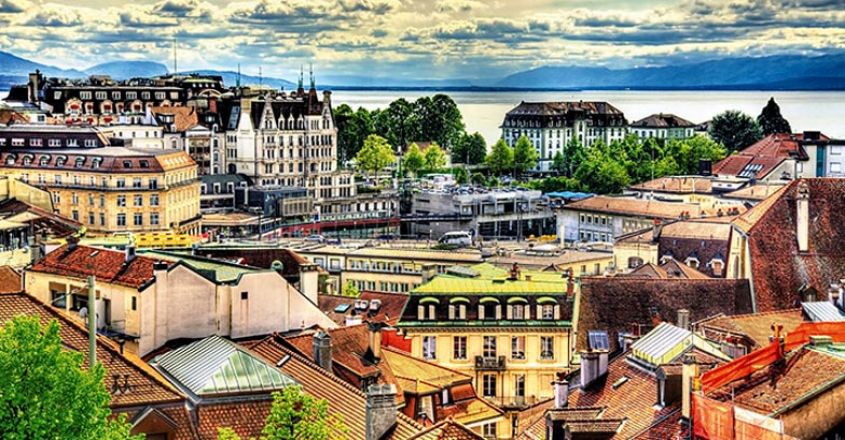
561,391
322,342
380,410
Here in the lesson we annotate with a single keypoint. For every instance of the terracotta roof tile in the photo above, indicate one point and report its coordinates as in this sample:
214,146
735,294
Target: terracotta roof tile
615,304
146,385
670,428
768,153
447,430
391,308
245,418
771,228
107,265
344,399
677,184
755,326
10,280
636,207
184,117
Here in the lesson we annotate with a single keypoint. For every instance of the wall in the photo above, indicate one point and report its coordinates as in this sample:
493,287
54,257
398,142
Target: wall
818,416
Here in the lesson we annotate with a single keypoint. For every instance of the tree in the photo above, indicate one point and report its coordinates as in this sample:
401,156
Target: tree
478,179
559,163
603,169
574,153
470,149
771,121
353,127
44,390
735,130
524,156
689,152
296,415
413,161
461,176
350,289
500,159
400,123
434,158
375,154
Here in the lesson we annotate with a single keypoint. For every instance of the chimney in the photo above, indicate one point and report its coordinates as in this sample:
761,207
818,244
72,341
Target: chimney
374,330
802,216
309,281
322,342
561,388
689,374
72,242
381,410
570,286
593,366
130,252
656,230
683,319
429,271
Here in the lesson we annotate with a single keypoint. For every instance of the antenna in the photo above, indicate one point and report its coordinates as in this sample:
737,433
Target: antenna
238,80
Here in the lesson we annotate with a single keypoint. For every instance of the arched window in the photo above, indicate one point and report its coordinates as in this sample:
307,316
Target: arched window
634,262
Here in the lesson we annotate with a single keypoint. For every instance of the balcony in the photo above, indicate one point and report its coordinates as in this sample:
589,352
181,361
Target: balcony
490,363
512,402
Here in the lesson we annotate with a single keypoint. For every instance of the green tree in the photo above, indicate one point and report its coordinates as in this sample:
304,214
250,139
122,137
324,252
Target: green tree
461,176
689,152
413,161
400,123
434,158
350,289
603,170
478,179
735,130
574,153
500,159
771,121
470,149
296,415
46,393
375,155
524,156
353,127
559,163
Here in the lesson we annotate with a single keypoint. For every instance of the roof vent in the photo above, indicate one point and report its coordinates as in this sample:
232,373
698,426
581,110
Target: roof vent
375,305
361,304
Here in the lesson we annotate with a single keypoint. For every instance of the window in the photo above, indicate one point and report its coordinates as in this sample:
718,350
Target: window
121,182
121,219
518,347
153,199
488,385
102,219
489,430
154,218
139,219
90,218
136,182
121,200
152,183
429,347
598,340
85,95
75,215
489,346
138,200
519,386
634,262
244,295
134,303
100,95
519,311
459,348
547,311
547,347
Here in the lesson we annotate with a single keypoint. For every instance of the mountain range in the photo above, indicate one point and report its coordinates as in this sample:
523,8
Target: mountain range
781,72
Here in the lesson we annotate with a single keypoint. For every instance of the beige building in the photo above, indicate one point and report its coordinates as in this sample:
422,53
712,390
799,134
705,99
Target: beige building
150,299
114,189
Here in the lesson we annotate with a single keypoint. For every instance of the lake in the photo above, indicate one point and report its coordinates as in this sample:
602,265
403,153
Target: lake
484,111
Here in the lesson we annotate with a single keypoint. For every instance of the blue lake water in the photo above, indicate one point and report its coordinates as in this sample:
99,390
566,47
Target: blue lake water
484,111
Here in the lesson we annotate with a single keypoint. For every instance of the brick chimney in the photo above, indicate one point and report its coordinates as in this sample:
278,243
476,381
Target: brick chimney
381,410
561,390
593,366
374,348
802,216
322,342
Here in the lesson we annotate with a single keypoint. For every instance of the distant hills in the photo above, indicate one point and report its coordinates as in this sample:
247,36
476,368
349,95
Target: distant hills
782,72
773,72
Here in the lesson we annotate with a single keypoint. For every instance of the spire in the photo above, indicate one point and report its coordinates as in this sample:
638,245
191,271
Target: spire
311,75
299,86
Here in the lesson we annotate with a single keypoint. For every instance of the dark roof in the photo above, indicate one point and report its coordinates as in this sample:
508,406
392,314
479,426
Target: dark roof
663,120
617,304
669,269
294,105
53,224
389,312
257,256
107,265
109,159
778,269
564,114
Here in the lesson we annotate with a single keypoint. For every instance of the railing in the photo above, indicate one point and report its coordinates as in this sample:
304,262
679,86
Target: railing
512,402
491,363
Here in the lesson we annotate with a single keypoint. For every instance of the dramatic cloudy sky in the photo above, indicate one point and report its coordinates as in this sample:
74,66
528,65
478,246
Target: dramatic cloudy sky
428,38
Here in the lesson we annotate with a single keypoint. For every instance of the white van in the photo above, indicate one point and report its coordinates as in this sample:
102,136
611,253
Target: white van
459,238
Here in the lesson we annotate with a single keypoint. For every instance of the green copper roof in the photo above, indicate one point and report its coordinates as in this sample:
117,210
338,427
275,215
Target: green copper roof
217,366
217,271
494,280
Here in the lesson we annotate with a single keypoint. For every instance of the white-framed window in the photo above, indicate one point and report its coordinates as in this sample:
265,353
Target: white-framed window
518,347
459,348
489,430
489,347
488,385
429,346
547,347
100,95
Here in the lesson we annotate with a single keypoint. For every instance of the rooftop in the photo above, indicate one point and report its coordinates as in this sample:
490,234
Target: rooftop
217,271
107,265
757,192
637,207
761,158
677,184
663,120
447,430
388,312
755,326
486,279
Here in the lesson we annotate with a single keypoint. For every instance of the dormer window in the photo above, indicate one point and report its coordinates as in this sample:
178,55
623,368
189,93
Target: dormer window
518,309
489,308
95,163
60,161
144,164
458,308
427,309
80,161
43,160
127,164
10,159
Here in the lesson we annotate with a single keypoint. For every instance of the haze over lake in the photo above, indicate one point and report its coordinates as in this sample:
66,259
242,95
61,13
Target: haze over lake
484,111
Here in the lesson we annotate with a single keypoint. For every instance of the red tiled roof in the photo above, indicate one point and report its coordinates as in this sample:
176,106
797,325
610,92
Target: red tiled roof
146,385
670,428
391,308
53,224
107,265
616,304
344,399
10,280
755,326
245,418
184,117
447,430
769,152
778,269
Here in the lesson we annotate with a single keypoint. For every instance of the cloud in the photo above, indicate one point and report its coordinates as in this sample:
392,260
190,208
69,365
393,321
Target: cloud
54,17
13,6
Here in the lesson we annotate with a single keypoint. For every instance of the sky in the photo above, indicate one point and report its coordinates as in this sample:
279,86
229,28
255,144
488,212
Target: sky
415,39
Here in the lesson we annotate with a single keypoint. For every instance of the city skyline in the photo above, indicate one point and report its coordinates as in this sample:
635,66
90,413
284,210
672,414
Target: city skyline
458,39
